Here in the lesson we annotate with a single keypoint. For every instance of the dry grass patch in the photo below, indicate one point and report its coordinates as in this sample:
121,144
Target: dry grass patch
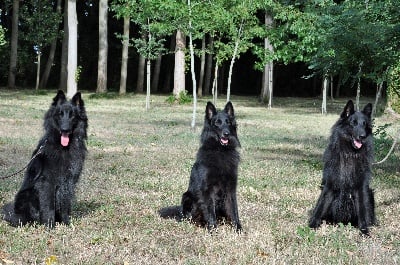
140,161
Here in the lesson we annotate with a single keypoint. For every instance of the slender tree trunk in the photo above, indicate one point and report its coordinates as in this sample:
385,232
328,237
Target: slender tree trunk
50,60
64,52
179,70
103,48
193,124
148,72
215,85
124,62
267,84
324,89
140,75
156,74
235,51
209,61
359,86
72,86
38,70
202,66
14,45
377,97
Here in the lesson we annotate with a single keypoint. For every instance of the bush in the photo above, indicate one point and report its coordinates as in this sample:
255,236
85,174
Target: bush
394,89
181,98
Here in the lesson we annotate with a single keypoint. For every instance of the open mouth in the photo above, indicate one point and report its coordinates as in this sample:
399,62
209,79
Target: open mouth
64,139
357,144
224,140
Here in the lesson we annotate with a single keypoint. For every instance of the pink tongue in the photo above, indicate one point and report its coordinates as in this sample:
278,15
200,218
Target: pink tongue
64,139
358,144
224,141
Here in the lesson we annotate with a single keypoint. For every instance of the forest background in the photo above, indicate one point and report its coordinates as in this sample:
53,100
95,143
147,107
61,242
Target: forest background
257,47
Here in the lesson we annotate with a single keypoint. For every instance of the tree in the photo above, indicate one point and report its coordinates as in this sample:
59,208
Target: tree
64,52
41,24
50,60
72,49
14,45
103,48
124,61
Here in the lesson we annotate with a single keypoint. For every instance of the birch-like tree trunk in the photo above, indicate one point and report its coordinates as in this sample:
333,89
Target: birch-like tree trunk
103,48
267,82
72,86
235,51
39,55
179,69
124,60
324,90
193,124
14,45
209,61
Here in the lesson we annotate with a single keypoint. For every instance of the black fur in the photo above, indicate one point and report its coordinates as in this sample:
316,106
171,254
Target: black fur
48,188
211,195
346,196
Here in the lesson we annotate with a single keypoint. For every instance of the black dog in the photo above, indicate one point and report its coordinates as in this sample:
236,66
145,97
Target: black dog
346,196
211,195
48,188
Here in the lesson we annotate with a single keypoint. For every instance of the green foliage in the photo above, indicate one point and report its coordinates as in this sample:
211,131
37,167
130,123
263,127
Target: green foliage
182,98
394,89
382,141
2,37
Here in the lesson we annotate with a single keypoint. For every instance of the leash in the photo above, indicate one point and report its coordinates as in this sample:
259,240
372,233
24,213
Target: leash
39,151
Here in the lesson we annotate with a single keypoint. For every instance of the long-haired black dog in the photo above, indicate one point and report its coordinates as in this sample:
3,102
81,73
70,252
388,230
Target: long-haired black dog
346,196
211,195
47,191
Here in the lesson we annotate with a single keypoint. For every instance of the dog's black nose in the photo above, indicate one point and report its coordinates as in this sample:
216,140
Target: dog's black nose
225,133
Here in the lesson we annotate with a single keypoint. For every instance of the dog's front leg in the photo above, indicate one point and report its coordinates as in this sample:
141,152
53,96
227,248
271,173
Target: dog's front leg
231,207
322,207
47,195
208,209
362,202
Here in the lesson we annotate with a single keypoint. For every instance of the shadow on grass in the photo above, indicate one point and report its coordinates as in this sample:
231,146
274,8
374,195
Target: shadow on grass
84,208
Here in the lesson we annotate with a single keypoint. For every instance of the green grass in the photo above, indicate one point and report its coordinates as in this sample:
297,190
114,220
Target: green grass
140,161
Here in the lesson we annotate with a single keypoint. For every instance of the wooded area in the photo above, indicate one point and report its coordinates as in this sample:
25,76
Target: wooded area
258,47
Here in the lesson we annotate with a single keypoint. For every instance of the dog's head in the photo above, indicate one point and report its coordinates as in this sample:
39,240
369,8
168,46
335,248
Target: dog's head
220,126
358,123
67,118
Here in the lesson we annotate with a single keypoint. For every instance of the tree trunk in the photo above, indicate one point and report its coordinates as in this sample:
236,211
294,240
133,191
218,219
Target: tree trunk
38,70
64,52
72,87
50,60
209,61
215,85
148,72
267,82
324,89
140,75
179,69
103,48
156,74
202,66
235,51
193,124
14,45
124,62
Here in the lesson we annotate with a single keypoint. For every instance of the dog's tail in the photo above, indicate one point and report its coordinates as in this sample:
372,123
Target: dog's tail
172,212
9,215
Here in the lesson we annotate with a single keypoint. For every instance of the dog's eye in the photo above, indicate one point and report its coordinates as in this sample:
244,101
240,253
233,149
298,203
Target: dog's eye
218,122
227,121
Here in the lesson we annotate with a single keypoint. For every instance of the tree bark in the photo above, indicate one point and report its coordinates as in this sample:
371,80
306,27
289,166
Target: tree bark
268,75
209,61
202,66
50,60
156,74
324,89
140,75
103,48
64,52
179,70
124,62
72,87
14,46
39,55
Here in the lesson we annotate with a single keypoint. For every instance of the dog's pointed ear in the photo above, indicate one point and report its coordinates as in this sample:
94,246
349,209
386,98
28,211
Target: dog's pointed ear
367,110
229,109
210,110
59,98
77,100
348,109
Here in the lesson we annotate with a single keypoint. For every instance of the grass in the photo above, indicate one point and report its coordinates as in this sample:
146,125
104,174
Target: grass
140,161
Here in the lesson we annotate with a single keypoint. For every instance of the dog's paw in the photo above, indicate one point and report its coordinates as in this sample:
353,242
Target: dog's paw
314,223
365,232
